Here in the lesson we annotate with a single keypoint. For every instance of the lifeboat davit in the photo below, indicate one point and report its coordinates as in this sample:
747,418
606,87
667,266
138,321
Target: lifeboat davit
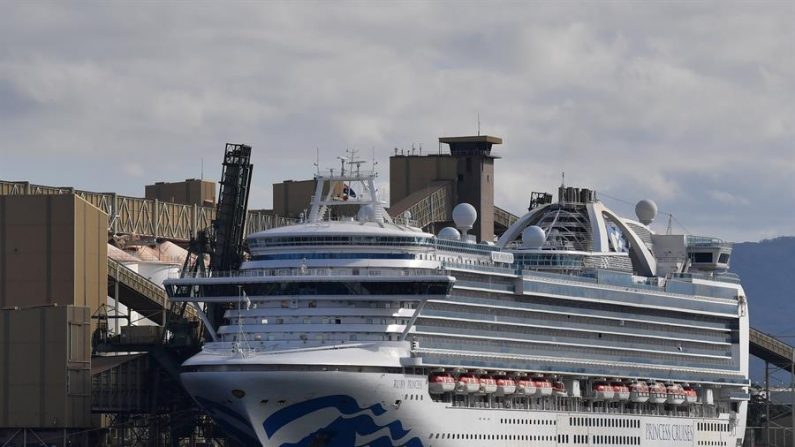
524,385
691,396
559,388
441,382
620,391
658,394
487,384
638,392
676,395
467,383
602,391
505,385
542,385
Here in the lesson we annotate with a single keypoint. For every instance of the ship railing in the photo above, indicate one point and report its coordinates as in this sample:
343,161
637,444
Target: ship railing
620,286
335,272
707,241
628,288
716,276
479,267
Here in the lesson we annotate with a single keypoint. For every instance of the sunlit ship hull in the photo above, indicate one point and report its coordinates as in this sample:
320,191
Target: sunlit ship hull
267,400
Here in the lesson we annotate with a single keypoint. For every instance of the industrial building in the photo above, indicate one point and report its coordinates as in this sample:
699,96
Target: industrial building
53,276
189,192
465,174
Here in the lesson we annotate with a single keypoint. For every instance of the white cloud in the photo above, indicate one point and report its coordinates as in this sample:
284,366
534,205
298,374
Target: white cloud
671,101
133,169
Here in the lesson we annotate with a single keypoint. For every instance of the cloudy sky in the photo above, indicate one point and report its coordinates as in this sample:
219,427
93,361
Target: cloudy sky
690,104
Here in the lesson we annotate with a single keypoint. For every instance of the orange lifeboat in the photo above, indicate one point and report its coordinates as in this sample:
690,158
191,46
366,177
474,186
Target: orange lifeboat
524,385
638,392
559,388
487,384
440,382
691,396
467,383
658,394
676,394
542,385
620,391
505,385
602,391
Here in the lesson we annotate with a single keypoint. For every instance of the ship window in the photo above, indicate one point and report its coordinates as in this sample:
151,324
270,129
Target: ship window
723,258
702,257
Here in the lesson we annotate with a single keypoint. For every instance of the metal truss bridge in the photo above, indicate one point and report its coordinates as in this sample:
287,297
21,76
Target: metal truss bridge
148,217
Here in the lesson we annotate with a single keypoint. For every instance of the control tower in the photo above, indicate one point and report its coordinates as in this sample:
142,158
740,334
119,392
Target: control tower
468,170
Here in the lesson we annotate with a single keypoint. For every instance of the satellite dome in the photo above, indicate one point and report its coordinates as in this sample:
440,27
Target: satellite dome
449,233
366,213
646,210
464,216
533,237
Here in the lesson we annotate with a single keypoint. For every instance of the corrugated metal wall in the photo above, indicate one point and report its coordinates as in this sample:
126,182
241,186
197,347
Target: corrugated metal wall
45,372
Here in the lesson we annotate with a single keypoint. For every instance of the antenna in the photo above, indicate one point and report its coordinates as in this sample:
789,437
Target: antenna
563,178
317,159
669,228
202,171
478,123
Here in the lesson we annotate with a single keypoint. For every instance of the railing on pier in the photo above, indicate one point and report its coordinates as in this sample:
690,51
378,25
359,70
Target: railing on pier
139,293
771,349
504,218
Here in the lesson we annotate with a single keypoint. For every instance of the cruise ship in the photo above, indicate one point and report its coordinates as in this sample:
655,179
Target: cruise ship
577,327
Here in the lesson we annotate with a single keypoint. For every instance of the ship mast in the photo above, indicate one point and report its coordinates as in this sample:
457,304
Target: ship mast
351,186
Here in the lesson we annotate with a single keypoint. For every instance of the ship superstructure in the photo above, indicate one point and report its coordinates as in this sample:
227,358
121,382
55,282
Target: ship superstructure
577,327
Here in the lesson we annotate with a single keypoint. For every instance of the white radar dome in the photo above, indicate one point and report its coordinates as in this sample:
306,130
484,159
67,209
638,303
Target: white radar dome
464,216
533,237
449,233
646,210
366,213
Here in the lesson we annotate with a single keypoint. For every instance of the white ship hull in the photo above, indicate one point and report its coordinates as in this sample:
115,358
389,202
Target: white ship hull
297,405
